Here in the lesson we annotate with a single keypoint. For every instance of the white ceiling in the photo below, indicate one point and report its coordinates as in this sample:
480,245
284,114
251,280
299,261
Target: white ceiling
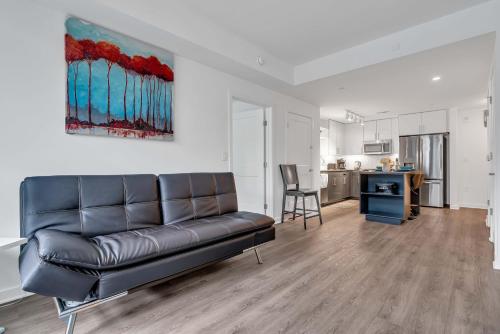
297,31
405,85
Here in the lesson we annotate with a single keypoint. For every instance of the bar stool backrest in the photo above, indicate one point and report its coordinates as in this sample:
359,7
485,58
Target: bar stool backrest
290,176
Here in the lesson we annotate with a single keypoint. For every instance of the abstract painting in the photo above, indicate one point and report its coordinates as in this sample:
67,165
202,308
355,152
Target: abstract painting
116,85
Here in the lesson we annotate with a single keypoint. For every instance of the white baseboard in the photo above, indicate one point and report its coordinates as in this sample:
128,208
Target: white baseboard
496,265
455,207
474,205
13,293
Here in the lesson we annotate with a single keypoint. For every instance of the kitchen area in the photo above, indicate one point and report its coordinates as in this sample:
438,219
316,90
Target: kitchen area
355,151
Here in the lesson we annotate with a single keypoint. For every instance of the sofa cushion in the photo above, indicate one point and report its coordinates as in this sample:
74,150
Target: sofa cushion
196,195
129,247
89,205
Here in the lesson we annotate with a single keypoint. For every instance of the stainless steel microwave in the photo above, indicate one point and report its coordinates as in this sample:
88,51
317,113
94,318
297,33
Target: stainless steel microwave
380,147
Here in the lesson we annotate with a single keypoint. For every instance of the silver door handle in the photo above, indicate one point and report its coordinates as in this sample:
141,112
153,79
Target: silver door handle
334,181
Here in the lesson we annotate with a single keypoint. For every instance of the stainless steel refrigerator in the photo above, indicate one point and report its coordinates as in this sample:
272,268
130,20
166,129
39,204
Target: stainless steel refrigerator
427,153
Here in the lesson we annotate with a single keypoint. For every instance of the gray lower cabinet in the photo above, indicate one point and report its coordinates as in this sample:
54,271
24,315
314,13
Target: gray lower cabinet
324,196
338,186
355,180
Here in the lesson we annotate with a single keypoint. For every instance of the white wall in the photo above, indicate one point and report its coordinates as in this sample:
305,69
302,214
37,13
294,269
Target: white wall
32,107
472,167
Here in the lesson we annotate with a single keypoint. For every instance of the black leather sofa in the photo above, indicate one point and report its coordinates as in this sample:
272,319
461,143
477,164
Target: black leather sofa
94,237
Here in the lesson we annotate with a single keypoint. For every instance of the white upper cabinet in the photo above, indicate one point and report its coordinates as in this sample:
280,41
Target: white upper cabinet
324,142
384,129
377,130
409,124
336,135
395,135
434,122
353,139
340,138
332,135
423,123
370,131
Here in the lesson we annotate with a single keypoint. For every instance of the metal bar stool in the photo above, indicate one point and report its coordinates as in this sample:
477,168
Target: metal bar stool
291,178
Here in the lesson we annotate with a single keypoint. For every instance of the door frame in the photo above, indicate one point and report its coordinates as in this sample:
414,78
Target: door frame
268,177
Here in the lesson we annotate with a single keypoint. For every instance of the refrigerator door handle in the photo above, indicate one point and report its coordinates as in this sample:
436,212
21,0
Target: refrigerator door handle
441,157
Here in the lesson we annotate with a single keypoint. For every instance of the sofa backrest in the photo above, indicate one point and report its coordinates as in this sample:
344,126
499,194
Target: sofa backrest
89,205
196,195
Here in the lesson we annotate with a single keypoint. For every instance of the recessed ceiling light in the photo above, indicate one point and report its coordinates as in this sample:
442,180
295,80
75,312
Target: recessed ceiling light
436,78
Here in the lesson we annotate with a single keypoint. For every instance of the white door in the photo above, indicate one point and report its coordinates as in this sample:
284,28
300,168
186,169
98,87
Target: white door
384,129
434,121
299,147
491,162
248,155
409,124
473,187
370,131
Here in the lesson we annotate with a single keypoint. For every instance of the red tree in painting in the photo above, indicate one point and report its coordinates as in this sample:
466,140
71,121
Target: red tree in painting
74,54
153,69
90,55
111,55
138,65
166,74
125,62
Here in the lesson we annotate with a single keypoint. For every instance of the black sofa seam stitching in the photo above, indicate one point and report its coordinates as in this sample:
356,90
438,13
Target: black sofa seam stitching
80,204
90,207
125,201
191,196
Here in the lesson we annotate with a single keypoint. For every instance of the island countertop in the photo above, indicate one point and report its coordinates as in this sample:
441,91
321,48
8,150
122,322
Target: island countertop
411,172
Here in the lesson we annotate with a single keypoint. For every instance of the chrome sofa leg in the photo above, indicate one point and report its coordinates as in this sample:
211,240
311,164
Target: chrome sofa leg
259,257
70,321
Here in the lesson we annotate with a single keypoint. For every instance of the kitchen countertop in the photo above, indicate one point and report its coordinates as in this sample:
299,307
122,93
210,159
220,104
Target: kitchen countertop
337,170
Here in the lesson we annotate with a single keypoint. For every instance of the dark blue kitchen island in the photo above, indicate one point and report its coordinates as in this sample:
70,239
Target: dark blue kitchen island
389,197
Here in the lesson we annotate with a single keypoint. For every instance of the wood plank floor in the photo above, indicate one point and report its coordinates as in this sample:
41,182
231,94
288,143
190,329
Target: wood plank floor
431,275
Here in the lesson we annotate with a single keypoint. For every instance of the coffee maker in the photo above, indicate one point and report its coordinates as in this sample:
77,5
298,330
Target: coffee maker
341,163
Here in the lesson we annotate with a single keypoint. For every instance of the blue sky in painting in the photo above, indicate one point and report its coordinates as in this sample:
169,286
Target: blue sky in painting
81,30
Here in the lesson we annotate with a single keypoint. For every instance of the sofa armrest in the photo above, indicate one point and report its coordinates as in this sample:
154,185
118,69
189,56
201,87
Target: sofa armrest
53,280
66,248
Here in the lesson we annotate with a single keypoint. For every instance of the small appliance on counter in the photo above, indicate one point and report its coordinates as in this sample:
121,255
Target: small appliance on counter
357,165
386,188
332,166
341,163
